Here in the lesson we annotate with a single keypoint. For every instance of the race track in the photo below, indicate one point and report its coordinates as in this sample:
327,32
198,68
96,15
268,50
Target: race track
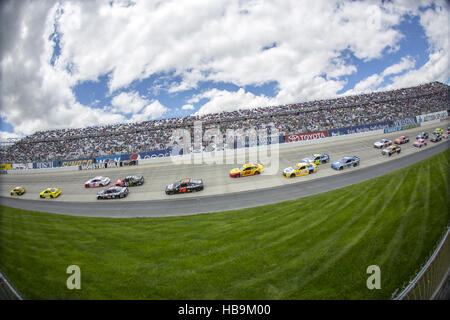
221,192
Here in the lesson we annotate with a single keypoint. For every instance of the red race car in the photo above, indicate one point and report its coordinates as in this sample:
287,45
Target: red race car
401,140
420,143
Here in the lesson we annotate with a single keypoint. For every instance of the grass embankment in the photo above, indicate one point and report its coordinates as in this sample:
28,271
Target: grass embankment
312,248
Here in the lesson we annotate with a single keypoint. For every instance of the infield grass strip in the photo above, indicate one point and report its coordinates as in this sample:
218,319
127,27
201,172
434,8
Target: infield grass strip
317,247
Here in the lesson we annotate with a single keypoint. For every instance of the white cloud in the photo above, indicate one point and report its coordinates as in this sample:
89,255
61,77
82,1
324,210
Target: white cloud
405,64
373,82
369,84
151,111
128,102
187,107
223,100
141,109
437,68
214,41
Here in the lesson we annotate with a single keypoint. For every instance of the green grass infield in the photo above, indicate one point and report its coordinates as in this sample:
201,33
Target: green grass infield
317,247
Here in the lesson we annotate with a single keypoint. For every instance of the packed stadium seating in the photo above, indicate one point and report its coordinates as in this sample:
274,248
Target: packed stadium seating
290,118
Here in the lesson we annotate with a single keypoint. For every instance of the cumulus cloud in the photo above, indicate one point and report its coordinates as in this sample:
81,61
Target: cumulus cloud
141,109
437,68
187,107
128,102
151,111
373,82
405,64
223,100
220,41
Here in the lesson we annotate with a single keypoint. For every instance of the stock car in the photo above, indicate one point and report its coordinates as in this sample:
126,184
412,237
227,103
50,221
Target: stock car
248,169
391,150
50,193
185,186
422,135
317,159
382,143
113,193
300,169
401,140
350,161
436,138
98,181
438,131
130,181
129,162
420,143
18,191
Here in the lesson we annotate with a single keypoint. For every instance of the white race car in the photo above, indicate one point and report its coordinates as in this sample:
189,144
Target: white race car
97,182
382,143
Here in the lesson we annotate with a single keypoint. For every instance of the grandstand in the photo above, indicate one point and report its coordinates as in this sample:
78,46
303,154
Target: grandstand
302,117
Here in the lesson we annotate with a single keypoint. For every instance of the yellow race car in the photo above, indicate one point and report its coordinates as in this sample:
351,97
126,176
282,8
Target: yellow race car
300,169
438,131
50,193
248,169
18,191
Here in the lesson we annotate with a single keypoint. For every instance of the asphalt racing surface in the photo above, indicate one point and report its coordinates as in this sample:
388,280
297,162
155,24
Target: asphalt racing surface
221,192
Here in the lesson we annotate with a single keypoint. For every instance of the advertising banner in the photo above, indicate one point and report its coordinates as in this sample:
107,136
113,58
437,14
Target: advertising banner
148,154
5,166
107,159
432,117
359,129
407,122
22,166
402,124
74,162
305,136
392,129
246,142
41,165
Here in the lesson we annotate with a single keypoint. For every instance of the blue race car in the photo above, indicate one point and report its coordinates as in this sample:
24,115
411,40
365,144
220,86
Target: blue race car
352,161
317,159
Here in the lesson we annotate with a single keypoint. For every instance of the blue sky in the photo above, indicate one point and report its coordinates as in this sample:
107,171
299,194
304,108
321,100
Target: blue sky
76,64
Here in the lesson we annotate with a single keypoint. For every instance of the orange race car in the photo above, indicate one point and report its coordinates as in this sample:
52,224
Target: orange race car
401,140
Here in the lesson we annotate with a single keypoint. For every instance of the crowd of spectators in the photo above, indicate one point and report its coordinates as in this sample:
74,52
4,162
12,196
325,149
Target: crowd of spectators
302,117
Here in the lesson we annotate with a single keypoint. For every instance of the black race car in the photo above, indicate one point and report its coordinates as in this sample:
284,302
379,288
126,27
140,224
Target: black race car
185,186
130,162
423,135
436,138
130,181
113,193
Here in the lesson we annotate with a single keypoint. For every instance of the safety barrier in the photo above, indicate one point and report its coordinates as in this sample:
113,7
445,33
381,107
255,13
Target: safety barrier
42,170
7,290
430,279
303,140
